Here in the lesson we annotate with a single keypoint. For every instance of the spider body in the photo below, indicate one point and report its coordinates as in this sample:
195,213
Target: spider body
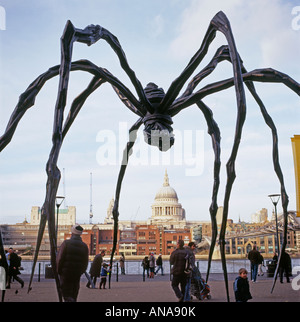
155,109
158,130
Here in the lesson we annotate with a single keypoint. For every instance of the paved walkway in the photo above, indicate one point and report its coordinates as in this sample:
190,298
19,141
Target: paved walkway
131,288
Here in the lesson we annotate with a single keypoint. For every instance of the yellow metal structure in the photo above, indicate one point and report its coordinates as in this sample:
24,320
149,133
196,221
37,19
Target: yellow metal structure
296,153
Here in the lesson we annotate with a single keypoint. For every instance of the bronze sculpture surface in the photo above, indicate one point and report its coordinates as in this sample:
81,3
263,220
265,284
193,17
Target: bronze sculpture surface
155,109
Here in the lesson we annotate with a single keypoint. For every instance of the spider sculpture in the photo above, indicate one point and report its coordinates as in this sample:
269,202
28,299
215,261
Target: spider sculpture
155,110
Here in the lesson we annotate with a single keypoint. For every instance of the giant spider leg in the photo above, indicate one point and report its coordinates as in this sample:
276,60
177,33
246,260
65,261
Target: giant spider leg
112,40
265,75
223,54
179,82
27,98
213,129
277,168
76,106
222,24
126,153
52,170
214,132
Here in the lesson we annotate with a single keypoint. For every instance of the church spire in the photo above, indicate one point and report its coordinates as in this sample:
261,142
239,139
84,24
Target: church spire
166,179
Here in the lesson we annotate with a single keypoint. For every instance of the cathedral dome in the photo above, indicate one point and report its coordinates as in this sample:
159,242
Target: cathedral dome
166,210
166,192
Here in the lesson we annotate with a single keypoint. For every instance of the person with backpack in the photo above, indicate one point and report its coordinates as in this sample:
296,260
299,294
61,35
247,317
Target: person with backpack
190,265
159,264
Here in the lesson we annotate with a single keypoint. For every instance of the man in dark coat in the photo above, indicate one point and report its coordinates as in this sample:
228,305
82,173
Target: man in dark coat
13,269
72,261
177,259
96,268
285,266
255,259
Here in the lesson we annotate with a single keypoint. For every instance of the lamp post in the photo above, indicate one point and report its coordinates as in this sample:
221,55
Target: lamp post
58,201
275,198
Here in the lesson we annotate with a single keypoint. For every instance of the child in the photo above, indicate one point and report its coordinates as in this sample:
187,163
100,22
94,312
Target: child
241,287
103,275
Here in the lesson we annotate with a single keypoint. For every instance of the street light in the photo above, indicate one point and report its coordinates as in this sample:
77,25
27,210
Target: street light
275,198
58,201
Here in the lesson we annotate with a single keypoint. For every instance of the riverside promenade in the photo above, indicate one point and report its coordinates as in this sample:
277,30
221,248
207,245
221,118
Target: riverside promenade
132,288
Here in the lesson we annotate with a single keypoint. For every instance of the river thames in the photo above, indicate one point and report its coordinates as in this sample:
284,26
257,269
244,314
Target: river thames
133,267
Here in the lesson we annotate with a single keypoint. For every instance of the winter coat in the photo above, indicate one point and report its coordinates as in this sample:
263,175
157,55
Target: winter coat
145,263
14,264
152,261
159,261
241,289
285,261
96,266
122,261
254,256
104,272
177,259
72,258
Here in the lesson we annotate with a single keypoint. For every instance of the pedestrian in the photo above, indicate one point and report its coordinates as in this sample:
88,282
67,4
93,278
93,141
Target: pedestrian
152,264
285,266
241,287
14,263
190,266
177,260
145,265
104,272
96,268
159,264
122,263
261,265
72,262
254,257
275,258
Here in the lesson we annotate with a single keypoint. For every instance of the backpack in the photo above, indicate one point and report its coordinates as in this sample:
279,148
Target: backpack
188,266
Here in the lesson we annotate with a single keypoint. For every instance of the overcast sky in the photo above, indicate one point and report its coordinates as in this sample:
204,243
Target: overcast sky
159,38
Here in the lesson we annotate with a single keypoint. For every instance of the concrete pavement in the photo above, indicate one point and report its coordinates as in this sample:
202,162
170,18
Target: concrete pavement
132,288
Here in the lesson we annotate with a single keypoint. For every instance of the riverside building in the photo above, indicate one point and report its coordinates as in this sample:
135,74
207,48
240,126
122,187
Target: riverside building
159,233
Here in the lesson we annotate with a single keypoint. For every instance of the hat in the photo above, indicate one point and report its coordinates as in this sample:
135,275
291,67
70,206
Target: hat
76,229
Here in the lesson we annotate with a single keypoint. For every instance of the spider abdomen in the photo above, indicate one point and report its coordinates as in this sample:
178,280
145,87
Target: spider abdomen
158,130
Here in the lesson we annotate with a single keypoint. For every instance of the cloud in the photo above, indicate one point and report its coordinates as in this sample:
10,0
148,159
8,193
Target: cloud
262,30
156,26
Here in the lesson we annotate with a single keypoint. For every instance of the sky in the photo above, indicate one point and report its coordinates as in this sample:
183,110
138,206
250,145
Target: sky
159,38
